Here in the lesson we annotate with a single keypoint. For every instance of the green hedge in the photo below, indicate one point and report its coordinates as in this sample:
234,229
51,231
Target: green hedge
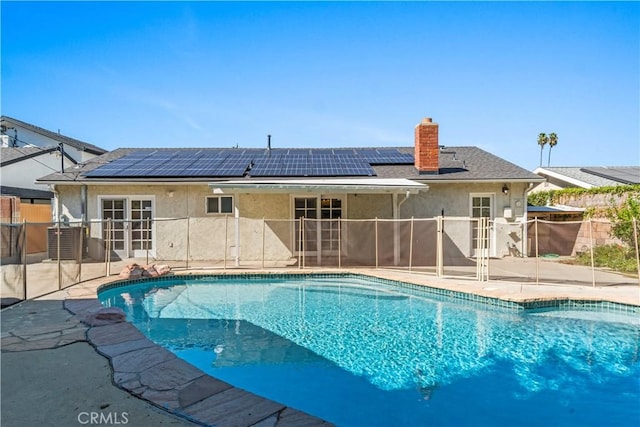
543,198
614,257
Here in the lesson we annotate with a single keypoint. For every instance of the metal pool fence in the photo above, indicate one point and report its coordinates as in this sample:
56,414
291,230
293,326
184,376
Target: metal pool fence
535,251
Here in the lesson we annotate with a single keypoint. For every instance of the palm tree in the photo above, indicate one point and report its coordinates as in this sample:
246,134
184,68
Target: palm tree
542,141
553,141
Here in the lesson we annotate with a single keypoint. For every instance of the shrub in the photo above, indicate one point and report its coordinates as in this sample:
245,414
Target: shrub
622,220
615,257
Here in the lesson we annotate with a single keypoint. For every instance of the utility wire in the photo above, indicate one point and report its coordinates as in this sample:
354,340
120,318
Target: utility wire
33,158
30,145
16,139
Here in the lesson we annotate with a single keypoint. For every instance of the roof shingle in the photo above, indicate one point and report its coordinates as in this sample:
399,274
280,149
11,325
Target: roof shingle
72,142
456,164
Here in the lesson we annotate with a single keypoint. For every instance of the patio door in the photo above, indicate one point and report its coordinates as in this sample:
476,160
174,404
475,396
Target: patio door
114,232
141,227
482,207
319,237
131,230
307,208
330,213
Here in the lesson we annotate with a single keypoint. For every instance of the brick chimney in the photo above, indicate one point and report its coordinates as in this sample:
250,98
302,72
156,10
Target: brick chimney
426,149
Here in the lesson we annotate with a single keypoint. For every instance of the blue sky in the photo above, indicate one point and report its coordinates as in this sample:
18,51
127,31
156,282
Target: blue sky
330,74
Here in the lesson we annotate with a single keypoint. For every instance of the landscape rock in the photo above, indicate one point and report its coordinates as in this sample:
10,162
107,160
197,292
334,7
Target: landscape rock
132,271
105,316
136,271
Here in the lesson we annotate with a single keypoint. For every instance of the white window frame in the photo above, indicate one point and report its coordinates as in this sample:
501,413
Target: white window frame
492,216
219,197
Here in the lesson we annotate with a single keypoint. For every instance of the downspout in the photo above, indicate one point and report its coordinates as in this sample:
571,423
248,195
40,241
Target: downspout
84,229
55,204
237,221
406,197
56,220
396,225
525,218
83,204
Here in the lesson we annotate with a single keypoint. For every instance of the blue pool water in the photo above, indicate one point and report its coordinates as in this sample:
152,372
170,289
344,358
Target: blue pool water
358,353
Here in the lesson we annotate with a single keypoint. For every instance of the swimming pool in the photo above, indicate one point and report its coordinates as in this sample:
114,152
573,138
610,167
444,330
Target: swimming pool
358,352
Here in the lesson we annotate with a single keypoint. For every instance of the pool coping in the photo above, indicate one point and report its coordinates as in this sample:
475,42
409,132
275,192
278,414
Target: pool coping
150,372
580,302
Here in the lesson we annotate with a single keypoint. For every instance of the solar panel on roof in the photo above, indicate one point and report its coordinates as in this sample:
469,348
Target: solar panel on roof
162,155
116,167
258,162
623,175
99,172
296,163
267,165
384,156
205,163
316,151
356,167
189,155
299,151
174,163
365,152
343,152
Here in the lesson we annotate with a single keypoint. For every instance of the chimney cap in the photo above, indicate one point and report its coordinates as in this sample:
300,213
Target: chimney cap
427,121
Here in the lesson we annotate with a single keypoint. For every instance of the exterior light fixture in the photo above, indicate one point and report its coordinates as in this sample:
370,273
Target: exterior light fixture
505,190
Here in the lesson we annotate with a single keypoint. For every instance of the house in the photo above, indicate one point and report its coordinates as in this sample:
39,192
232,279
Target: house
288,187
28,152
557,178
16,133
588,177
566,217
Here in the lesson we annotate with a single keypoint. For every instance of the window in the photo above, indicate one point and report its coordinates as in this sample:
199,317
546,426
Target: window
305,207
219,204
481,207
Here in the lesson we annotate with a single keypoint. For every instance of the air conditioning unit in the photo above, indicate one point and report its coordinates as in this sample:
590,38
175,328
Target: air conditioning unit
70,238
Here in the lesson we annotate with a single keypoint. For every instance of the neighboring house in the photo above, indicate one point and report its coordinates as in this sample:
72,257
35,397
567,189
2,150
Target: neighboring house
566,219
423,181
28,152
16,133
557,178
21,166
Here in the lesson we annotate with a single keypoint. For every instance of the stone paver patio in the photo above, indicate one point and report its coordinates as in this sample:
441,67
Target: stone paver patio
139,366
156,375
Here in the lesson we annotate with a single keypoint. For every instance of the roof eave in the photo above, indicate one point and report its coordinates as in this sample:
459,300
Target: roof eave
479,180
347,185
562,177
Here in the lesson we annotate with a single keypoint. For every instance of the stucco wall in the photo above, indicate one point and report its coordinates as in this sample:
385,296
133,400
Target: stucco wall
205,233
367,206
455,200
270,206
